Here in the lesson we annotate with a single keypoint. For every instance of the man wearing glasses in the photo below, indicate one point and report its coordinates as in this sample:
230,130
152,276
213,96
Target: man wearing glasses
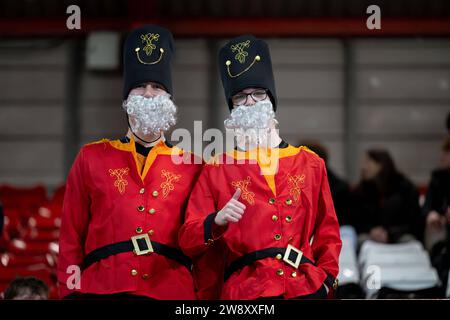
272,228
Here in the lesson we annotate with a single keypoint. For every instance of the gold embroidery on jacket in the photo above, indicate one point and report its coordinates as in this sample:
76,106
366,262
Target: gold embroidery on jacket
167,186
120,182
246,194
293,185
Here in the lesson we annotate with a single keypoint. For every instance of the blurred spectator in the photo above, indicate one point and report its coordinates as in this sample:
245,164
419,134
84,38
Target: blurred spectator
448,122
385,204
340,190
437,211
28,288
437,202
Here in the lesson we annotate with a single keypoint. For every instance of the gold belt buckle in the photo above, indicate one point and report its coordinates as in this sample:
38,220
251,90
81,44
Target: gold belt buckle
137,251
286,259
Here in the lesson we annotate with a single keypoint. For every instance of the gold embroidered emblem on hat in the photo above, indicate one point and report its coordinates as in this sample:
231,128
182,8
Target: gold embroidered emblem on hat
240,56
149,47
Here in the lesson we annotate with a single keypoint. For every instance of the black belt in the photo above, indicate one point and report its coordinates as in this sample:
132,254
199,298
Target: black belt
251,257
136,247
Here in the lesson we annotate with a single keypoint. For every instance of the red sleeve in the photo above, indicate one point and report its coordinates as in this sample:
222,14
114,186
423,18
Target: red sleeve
74,223
327,243
208,272
199,230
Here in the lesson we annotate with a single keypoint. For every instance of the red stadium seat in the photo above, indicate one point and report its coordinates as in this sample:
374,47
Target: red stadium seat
20,247
40,222
10,260
41,235
23,197
14,226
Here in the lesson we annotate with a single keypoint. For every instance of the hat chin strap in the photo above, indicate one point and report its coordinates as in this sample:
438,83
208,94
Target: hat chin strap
131,129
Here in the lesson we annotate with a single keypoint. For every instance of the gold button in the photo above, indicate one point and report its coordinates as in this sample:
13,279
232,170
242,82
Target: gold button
151,211
274,218
278,256
155,193
280,272
145,276
142,191
151,232
271,200
141,208
335,284
134,272
138,230
209,242
294,274
288,202
288,218
277,237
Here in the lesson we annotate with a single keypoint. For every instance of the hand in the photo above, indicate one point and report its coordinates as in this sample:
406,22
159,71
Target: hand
435,220
379,234
232,211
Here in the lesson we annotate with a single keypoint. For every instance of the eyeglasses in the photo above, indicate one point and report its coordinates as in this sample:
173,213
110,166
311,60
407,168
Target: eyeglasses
241,97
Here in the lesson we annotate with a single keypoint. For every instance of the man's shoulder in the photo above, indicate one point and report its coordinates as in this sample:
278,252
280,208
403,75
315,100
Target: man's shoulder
95,148
94,145
216,160
187,156
310,156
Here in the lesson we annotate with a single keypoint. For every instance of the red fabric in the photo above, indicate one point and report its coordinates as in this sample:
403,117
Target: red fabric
312,213
101,209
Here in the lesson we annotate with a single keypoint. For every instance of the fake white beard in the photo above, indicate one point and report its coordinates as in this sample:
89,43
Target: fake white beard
150,115
252,125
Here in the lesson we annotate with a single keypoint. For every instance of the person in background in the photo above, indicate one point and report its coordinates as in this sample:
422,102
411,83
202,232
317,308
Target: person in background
340,189
272,222
385,204
28,288
437,213
437,201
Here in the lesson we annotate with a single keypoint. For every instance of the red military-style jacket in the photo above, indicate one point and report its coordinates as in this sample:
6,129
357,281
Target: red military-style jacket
289,207
108,200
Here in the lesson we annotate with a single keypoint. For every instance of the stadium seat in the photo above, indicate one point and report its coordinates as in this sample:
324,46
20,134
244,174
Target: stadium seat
404,267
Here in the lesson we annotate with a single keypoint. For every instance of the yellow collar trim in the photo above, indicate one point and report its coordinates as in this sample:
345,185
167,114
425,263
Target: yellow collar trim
265,159
158,149
254,153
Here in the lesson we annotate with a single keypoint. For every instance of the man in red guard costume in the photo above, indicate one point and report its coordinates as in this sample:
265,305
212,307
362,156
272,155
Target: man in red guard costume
125,199
265,206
